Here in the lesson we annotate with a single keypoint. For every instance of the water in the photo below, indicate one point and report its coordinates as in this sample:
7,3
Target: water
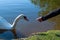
9,9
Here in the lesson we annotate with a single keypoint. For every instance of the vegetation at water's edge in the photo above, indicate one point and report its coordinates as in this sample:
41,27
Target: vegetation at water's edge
51,4
49,35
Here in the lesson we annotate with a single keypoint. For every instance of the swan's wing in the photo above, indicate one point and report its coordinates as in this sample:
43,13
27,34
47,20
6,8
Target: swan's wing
4,24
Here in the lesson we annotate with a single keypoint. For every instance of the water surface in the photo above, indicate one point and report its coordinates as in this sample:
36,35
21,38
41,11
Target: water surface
10,9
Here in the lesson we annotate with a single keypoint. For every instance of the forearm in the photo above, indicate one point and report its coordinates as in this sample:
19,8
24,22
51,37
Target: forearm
52,14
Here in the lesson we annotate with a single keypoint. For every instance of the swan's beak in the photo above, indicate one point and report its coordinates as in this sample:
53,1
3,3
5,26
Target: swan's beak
26,18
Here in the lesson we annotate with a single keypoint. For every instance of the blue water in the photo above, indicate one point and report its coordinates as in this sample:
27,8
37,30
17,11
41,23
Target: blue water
12,8
9,9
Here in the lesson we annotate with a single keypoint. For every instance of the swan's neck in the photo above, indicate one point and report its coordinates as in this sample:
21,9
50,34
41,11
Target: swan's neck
15,22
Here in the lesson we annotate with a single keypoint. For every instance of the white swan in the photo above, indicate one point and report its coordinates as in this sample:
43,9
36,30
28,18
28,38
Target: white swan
5,26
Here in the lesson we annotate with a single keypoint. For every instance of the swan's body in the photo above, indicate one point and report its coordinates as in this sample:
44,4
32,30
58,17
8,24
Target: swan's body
5,26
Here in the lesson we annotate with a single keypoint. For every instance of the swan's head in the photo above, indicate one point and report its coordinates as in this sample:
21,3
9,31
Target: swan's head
22,16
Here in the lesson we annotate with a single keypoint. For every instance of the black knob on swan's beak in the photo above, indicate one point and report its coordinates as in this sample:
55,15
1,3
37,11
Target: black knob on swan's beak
26,18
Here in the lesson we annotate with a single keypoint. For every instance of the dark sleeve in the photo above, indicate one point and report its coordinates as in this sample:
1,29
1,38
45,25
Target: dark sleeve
52,14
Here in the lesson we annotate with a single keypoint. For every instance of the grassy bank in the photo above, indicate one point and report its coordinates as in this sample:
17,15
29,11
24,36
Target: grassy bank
49,35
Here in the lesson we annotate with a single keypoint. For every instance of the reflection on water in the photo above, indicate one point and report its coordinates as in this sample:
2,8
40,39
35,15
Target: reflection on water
6,35
9,9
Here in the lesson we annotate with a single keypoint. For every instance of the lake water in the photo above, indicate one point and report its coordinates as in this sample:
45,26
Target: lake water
10,9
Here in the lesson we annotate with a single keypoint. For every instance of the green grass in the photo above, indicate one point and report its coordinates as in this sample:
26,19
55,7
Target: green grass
49,35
